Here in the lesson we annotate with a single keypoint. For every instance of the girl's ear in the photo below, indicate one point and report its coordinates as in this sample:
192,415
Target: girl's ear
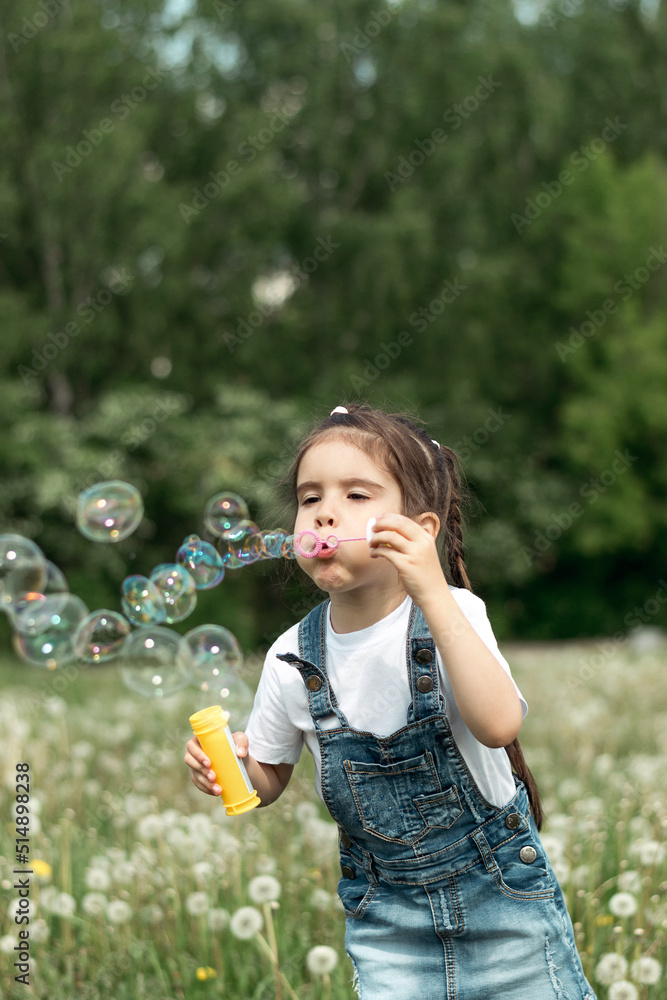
429,521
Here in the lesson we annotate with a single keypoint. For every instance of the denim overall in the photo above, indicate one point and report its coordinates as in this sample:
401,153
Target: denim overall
446,896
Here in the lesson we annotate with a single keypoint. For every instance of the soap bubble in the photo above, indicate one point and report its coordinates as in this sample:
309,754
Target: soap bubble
51,643
288,551
156,662
240,545
22,568
141,601
28,615
55,579
272,543
101,636
109,512
223,511
201,561
177,589
214,649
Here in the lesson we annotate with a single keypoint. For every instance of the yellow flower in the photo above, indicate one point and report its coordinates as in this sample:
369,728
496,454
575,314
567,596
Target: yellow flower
205,973
604,920
42,869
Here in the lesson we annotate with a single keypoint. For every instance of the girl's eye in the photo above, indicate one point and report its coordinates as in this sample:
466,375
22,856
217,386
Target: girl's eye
306,500
358,496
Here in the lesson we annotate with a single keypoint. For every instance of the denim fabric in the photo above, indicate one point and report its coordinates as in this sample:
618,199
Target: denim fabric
441,901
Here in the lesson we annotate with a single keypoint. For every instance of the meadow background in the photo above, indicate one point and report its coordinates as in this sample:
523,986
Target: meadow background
218,220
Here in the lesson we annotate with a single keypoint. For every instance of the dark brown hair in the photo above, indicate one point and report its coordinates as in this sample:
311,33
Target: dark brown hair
429,478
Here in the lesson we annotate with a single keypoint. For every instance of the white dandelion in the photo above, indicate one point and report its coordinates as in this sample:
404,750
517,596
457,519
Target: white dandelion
623,990
152,914
63,905
623,904
118,911
264,889
7,944
648,852
265,865
197,903
217,918
646,970
321,960
202,871
94,904
611,968
150,827
245,923
97,879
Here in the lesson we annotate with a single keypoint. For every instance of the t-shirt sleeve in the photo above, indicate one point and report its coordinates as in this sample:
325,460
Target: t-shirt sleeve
474,608
272,736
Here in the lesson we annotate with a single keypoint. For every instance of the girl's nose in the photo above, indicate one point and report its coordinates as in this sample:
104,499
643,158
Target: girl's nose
324,519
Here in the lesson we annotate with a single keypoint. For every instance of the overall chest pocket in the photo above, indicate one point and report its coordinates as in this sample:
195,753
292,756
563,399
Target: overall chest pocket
400,801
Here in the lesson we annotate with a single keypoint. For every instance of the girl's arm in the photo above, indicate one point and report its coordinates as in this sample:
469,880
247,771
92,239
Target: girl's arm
485,694
269,780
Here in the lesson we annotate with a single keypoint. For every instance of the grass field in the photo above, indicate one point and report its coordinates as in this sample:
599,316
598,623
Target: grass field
144,890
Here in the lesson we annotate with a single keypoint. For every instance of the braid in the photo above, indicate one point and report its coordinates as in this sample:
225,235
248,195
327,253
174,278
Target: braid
453,527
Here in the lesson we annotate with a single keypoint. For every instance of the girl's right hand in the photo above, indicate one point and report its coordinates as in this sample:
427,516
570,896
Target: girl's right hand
200,765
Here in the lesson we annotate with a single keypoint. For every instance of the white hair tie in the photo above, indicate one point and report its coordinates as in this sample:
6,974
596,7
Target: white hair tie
339,409
436,443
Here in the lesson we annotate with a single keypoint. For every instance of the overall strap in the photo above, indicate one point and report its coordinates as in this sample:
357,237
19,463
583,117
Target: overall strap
423,670
311,664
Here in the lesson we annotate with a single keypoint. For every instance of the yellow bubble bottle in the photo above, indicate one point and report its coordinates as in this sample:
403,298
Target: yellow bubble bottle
210,727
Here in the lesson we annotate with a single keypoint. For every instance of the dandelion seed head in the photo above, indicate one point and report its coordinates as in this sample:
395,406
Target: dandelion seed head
321,960
623,904
245,923
217,918
611,968
197,903
97,879
264,889
623,990
94,904
118,911
646,970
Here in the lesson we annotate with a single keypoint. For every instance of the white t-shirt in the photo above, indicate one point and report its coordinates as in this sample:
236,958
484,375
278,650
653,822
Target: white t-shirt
367,671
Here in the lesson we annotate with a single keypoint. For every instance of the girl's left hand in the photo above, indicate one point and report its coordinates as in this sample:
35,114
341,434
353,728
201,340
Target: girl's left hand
411,548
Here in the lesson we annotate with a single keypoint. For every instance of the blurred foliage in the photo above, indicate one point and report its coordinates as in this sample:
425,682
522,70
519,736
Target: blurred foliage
219,217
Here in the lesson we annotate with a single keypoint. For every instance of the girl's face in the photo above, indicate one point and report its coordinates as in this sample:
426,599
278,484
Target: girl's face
339,487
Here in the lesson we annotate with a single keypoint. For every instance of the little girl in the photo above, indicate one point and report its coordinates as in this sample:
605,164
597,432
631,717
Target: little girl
398,689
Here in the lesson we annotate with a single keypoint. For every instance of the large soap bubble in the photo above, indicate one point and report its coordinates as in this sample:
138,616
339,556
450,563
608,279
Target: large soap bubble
141,601
223,511
109,512
273,542
217,661
201,561
23,568
241,545
156,662
101,636
51,642
177,589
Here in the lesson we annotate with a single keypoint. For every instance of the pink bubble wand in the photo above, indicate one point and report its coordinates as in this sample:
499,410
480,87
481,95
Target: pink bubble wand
331,542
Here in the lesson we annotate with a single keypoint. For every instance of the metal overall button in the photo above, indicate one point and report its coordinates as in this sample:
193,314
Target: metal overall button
425,683
528,854
314,683
512,821
424,655
344,839
348,872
